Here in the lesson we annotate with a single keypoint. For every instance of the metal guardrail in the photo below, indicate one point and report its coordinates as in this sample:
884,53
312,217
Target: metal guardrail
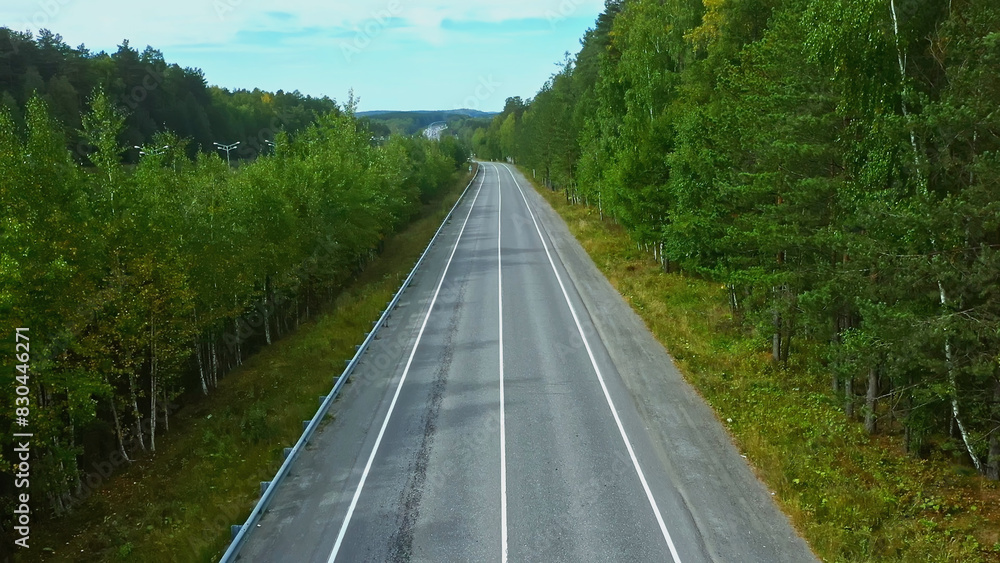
241,532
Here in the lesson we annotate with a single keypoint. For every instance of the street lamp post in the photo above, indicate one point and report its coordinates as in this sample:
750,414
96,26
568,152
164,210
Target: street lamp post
228,149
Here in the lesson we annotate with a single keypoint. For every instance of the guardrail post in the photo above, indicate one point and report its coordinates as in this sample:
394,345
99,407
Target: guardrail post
263,486
287,452
321,399
305,424
234,530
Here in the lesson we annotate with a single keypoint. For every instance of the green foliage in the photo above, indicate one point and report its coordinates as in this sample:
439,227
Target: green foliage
432,164
853,497
101,128
206,475
142,283
150,95
832,164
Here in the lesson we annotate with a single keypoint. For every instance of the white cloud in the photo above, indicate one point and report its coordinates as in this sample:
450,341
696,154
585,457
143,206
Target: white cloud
175,23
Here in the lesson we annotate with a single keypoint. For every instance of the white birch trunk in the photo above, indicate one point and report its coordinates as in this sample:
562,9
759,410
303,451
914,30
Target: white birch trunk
152,386
953,387
135,411
118,431
215,366
166,411
901,58
201,367
267,326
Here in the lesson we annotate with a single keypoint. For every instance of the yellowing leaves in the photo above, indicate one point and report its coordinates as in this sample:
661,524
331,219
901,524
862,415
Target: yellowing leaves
703,36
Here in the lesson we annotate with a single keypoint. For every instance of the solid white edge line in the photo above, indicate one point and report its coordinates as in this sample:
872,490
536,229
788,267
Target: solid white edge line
503,429
395,397
607,395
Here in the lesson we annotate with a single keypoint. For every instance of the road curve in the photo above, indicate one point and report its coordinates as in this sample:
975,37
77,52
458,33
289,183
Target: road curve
516,409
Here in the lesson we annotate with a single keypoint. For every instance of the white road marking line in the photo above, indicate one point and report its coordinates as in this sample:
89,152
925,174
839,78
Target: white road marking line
600,377
503,429
406,370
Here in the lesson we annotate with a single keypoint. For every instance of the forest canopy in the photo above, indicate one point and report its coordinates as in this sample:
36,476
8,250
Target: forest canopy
834,163
153,95
143,275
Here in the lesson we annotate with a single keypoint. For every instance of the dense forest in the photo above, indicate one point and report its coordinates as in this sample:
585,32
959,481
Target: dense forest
834,163
154,96
141,283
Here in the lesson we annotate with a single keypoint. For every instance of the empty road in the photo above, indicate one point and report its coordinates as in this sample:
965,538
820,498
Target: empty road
516,409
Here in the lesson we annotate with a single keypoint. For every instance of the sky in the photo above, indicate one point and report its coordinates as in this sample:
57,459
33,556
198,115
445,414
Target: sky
394,54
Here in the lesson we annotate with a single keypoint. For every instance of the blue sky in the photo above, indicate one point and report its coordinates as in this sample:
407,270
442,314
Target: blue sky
395,54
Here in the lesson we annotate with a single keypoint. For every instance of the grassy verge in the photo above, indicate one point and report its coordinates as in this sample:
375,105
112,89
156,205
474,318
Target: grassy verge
178,505
853,497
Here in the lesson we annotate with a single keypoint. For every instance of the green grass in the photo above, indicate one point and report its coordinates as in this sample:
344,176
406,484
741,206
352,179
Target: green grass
853,497
179,504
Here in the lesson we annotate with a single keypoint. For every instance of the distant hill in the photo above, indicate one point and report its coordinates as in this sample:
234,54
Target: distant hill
414,122
462,112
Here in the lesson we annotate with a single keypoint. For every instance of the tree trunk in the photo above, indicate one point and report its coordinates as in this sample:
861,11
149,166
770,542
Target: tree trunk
60,503
72,446
152,386
907,402
166,411
152,414
239,342
901,59
118,431
135,411
201,367
267,325
839,326
849,397
953,386
215,365
776,339
993,463
871,400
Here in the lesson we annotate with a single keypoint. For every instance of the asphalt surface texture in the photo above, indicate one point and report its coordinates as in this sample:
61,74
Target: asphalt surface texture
516,409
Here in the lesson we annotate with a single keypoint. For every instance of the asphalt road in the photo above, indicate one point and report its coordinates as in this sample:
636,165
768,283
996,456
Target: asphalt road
515,408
